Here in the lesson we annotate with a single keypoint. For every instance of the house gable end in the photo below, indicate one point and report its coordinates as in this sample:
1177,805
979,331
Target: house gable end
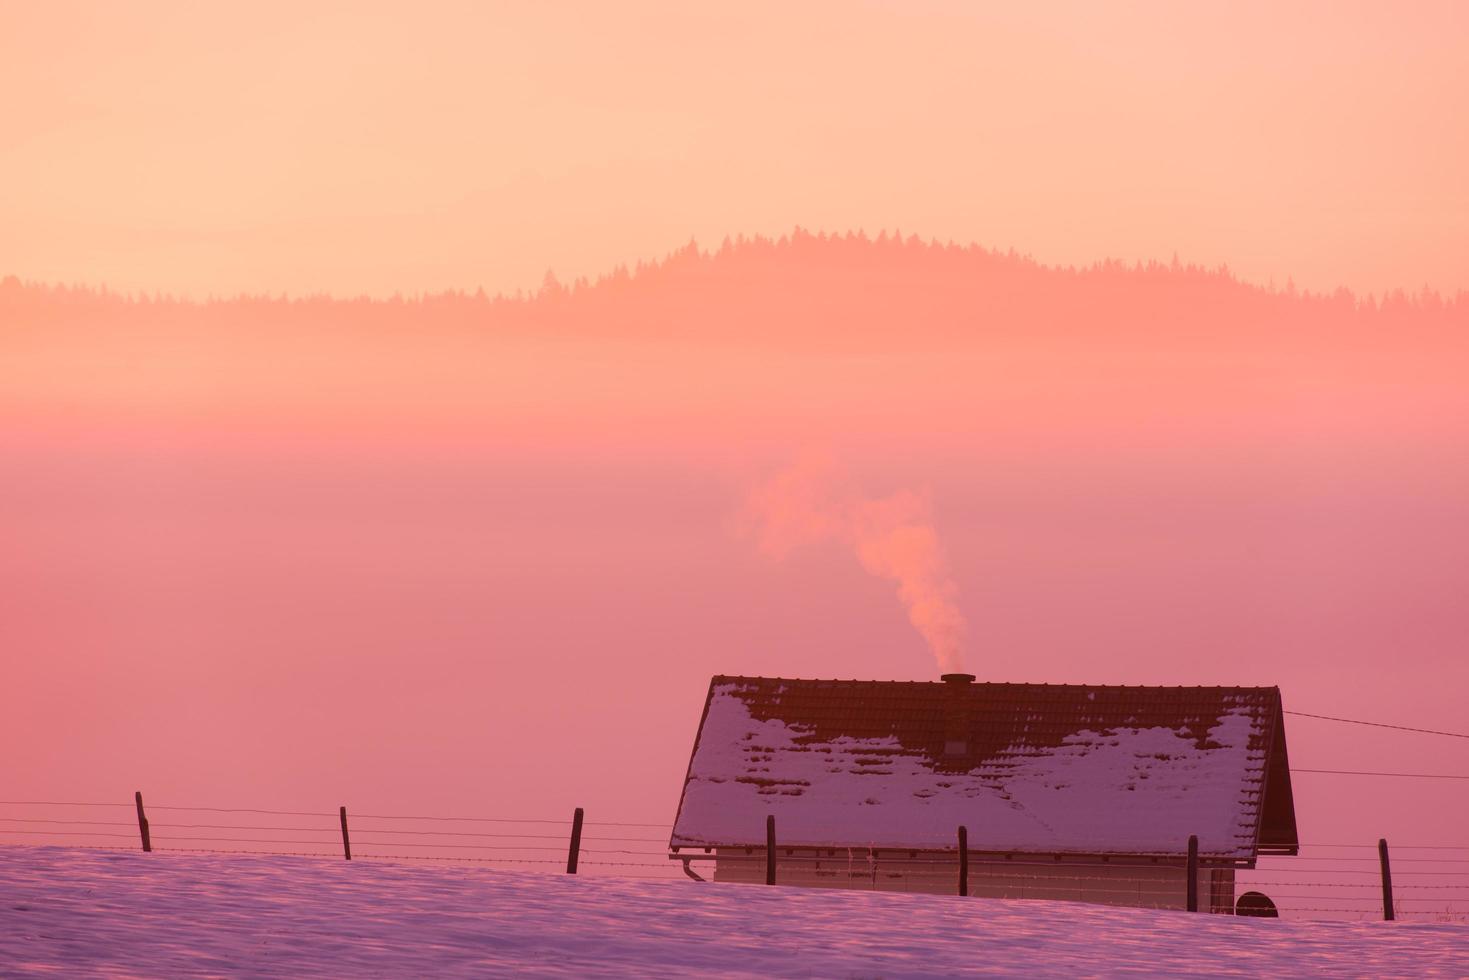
1278,808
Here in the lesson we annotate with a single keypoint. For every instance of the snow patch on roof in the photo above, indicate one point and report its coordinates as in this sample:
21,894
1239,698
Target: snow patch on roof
1122,790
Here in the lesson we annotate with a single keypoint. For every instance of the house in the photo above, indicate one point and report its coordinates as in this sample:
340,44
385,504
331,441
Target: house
1077,792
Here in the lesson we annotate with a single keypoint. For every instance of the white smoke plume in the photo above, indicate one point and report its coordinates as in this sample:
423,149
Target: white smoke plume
893,537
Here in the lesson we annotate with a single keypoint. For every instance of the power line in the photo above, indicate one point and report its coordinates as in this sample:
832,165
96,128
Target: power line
391,816
217,809
1406,775
55,803
1379,724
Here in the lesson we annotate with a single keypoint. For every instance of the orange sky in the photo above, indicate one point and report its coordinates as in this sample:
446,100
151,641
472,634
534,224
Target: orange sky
379,147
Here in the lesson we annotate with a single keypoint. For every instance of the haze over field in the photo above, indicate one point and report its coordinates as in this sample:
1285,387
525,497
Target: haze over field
482,555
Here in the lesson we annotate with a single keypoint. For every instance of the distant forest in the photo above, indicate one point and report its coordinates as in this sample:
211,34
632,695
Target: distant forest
819,291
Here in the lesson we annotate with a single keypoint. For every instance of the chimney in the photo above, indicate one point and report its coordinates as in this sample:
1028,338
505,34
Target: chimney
956,714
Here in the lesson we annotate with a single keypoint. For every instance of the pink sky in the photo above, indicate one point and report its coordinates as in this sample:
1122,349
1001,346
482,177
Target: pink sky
481,558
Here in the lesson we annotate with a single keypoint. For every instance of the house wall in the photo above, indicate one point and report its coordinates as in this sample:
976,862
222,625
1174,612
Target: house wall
1127,882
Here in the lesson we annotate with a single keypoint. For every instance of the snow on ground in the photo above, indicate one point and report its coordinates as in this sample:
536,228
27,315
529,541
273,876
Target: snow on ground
82,913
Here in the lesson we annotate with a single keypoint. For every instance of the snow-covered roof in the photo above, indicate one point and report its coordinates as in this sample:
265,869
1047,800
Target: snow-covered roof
1026,768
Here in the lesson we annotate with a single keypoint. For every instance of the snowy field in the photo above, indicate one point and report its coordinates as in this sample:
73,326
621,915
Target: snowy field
79,913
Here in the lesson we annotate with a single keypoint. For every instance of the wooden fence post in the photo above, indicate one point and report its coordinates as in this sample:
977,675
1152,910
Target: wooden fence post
575,851
770,849
963,860
143,822
1193,872
346,841
1387,910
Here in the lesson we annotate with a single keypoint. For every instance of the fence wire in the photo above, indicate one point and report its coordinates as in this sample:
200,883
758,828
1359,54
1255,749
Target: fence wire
1332,880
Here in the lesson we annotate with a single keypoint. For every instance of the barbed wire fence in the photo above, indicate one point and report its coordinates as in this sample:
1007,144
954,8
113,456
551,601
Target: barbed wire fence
1342,880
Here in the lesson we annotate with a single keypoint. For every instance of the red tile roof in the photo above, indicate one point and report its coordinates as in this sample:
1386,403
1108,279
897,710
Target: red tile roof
1027,767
